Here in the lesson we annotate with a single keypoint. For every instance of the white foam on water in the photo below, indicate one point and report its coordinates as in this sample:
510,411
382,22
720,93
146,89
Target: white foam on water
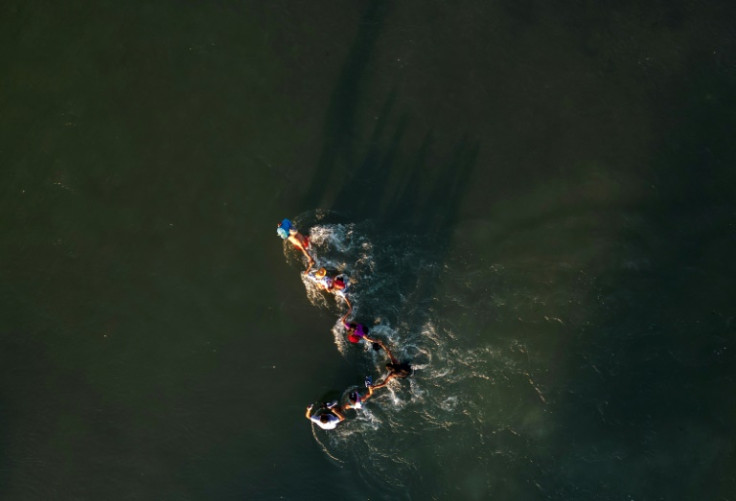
393,292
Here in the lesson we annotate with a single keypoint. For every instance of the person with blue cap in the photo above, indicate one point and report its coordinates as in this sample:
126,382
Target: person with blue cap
287,231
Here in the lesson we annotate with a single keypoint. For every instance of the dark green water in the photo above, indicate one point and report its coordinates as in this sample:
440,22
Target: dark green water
548,193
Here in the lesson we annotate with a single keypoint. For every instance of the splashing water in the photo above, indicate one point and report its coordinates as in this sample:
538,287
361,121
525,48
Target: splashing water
395,284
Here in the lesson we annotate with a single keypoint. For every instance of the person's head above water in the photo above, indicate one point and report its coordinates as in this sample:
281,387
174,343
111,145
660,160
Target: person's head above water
399,370
324,418
356,332
353,397
320,273
283,229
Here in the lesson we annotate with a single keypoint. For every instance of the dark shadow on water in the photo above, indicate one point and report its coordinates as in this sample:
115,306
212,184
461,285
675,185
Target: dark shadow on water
380,178
339,150
367,185
416,191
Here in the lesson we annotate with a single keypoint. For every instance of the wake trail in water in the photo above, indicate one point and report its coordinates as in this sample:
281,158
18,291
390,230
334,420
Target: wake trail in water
394,287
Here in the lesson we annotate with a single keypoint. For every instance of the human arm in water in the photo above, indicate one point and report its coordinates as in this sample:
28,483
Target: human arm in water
369,395
337,412
298,240
380,345
395,370
334,409
382,383
362,399
388,352
347,313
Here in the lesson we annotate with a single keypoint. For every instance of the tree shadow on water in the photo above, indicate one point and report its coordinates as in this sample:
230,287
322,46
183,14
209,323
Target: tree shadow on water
382,168
380,178
338,150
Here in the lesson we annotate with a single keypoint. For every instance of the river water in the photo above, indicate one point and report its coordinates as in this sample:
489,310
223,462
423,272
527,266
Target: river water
535,205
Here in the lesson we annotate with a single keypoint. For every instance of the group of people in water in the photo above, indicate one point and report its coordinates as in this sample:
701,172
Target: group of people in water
328,415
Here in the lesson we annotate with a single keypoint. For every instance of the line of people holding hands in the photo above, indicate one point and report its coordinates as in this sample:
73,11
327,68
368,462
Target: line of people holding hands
328,415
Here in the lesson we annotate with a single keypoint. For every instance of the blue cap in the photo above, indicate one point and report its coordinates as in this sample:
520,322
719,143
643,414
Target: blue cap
286,225
282,233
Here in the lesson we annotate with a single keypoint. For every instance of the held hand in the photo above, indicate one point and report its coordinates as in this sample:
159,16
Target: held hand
309,409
